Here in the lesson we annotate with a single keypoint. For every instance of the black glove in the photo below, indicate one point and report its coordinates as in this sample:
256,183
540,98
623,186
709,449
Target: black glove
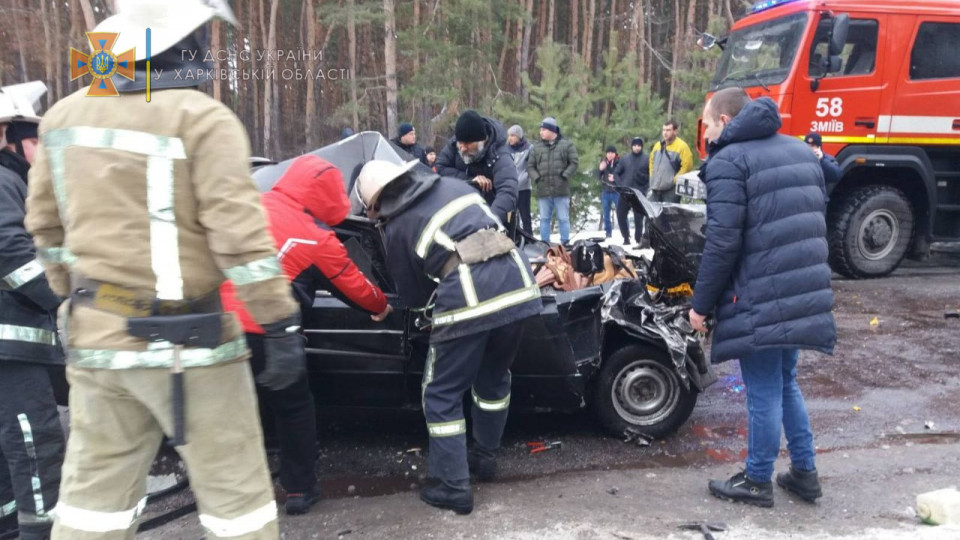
286,361
38,291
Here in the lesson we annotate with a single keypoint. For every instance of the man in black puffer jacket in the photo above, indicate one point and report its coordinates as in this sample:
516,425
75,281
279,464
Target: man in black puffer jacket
479,154
764,274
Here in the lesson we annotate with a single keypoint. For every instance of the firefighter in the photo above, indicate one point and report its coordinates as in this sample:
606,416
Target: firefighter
31,439
449,252
307,200
139,210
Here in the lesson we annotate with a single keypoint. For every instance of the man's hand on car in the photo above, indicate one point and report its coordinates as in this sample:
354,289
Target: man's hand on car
484,183
380,317
698,321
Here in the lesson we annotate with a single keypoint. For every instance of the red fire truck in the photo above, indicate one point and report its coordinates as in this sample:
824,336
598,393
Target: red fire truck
880,81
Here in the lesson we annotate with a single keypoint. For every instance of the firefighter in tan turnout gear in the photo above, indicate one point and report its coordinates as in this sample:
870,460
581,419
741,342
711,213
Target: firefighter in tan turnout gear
140,210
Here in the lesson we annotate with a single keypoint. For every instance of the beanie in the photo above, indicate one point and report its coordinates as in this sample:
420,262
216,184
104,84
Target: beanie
612,148
404,128
637,140
551,124
470,127
516,131
813,138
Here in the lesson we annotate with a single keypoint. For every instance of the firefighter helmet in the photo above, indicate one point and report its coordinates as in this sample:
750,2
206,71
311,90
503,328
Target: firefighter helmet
375,176
18,102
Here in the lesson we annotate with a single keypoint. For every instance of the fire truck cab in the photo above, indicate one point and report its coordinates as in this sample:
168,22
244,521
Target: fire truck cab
879,80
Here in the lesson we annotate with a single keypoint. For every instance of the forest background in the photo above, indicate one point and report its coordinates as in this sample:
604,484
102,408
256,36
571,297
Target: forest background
298,71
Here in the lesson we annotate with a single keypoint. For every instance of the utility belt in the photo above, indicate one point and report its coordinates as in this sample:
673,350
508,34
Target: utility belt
477,247
127,302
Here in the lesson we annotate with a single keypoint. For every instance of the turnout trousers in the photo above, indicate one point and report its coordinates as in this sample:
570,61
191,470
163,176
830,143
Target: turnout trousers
31,447
479,363
118,419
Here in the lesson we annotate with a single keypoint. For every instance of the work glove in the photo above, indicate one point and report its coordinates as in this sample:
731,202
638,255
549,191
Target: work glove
285,358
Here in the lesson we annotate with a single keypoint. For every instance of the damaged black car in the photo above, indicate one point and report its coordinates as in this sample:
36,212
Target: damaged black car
623,348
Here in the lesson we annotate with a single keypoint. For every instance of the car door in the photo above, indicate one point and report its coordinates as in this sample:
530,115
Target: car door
354,361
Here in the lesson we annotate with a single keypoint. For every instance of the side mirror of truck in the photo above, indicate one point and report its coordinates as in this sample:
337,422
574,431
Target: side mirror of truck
838,34
707,41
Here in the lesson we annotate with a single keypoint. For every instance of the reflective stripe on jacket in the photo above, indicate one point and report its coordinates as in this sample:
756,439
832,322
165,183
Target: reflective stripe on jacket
155,197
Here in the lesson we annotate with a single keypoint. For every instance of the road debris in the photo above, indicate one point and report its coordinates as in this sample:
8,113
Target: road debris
537,447
856,408
928,424
634,436
613,491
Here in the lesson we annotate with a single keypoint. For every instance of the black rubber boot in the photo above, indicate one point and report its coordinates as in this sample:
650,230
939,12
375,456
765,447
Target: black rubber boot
483,464
300,503
458,498
803,484
740,488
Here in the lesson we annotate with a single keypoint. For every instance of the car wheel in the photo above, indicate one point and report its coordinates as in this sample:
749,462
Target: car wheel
870,231
638,388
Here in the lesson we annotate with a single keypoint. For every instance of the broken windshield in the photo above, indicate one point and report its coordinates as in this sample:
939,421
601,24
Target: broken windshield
761,54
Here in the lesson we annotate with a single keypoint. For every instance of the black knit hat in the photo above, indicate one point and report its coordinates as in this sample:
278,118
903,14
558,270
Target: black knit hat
18,131
637,140
611,148
814,138
429,150
471,128
404,128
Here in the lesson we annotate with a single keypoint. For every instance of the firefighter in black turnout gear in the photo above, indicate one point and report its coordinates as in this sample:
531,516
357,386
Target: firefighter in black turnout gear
31,439
445,247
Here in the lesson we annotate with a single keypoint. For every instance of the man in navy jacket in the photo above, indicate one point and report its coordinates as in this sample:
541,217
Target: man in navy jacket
764,274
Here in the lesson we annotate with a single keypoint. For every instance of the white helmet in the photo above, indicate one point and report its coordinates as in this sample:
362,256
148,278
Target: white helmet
169,21
375,176
19,102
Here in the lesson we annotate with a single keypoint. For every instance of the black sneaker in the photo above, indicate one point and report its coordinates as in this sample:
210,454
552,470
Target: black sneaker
482,465
440,495
803,484
739,488
300,503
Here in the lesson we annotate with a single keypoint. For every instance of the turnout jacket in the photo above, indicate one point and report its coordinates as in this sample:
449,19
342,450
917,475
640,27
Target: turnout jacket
28,329
422,219
495,162
155,200
764,266
307,200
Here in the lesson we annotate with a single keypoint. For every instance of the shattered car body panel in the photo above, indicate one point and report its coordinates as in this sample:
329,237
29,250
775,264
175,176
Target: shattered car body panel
354,361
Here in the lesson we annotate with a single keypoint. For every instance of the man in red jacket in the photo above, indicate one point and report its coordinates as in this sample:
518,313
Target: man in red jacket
307,200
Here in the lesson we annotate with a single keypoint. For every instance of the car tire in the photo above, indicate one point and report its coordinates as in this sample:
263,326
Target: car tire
870,231
638,388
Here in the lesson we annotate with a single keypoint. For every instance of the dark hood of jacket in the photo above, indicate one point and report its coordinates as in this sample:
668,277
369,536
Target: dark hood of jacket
402,192
758,119
521,145
15,163
318,186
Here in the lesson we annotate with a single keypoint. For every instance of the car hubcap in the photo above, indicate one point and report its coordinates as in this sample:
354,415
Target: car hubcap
645,392
879,233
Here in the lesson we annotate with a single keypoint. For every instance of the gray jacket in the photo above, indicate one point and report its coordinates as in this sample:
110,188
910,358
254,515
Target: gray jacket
521,157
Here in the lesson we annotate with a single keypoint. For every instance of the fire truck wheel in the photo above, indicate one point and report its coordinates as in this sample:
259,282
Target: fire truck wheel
638,388
869,232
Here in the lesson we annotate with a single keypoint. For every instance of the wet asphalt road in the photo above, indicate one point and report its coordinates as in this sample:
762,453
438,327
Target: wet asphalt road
885,382
893,381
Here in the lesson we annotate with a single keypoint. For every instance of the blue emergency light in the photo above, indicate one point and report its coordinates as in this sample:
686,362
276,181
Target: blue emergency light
769,4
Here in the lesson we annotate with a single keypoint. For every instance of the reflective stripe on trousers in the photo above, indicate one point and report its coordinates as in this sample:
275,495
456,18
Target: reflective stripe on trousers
12,332
24,274
27,429
239,526
96,521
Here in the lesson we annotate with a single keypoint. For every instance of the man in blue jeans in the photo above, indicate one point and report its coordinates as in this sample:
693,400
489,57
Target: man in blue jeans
553,163
609,180
764,274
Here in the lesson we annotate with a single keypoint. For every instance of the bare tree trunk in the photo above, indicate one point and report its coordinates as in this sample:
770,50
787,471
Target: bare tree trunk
506,46
647,35
575,24
525,49
20,45
88,15
58,86
352,47
551,19
675,62
597,55
47,54
728,13
613,26
309,136
390,62
518,50
269,139
636,26
215,47
589,26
